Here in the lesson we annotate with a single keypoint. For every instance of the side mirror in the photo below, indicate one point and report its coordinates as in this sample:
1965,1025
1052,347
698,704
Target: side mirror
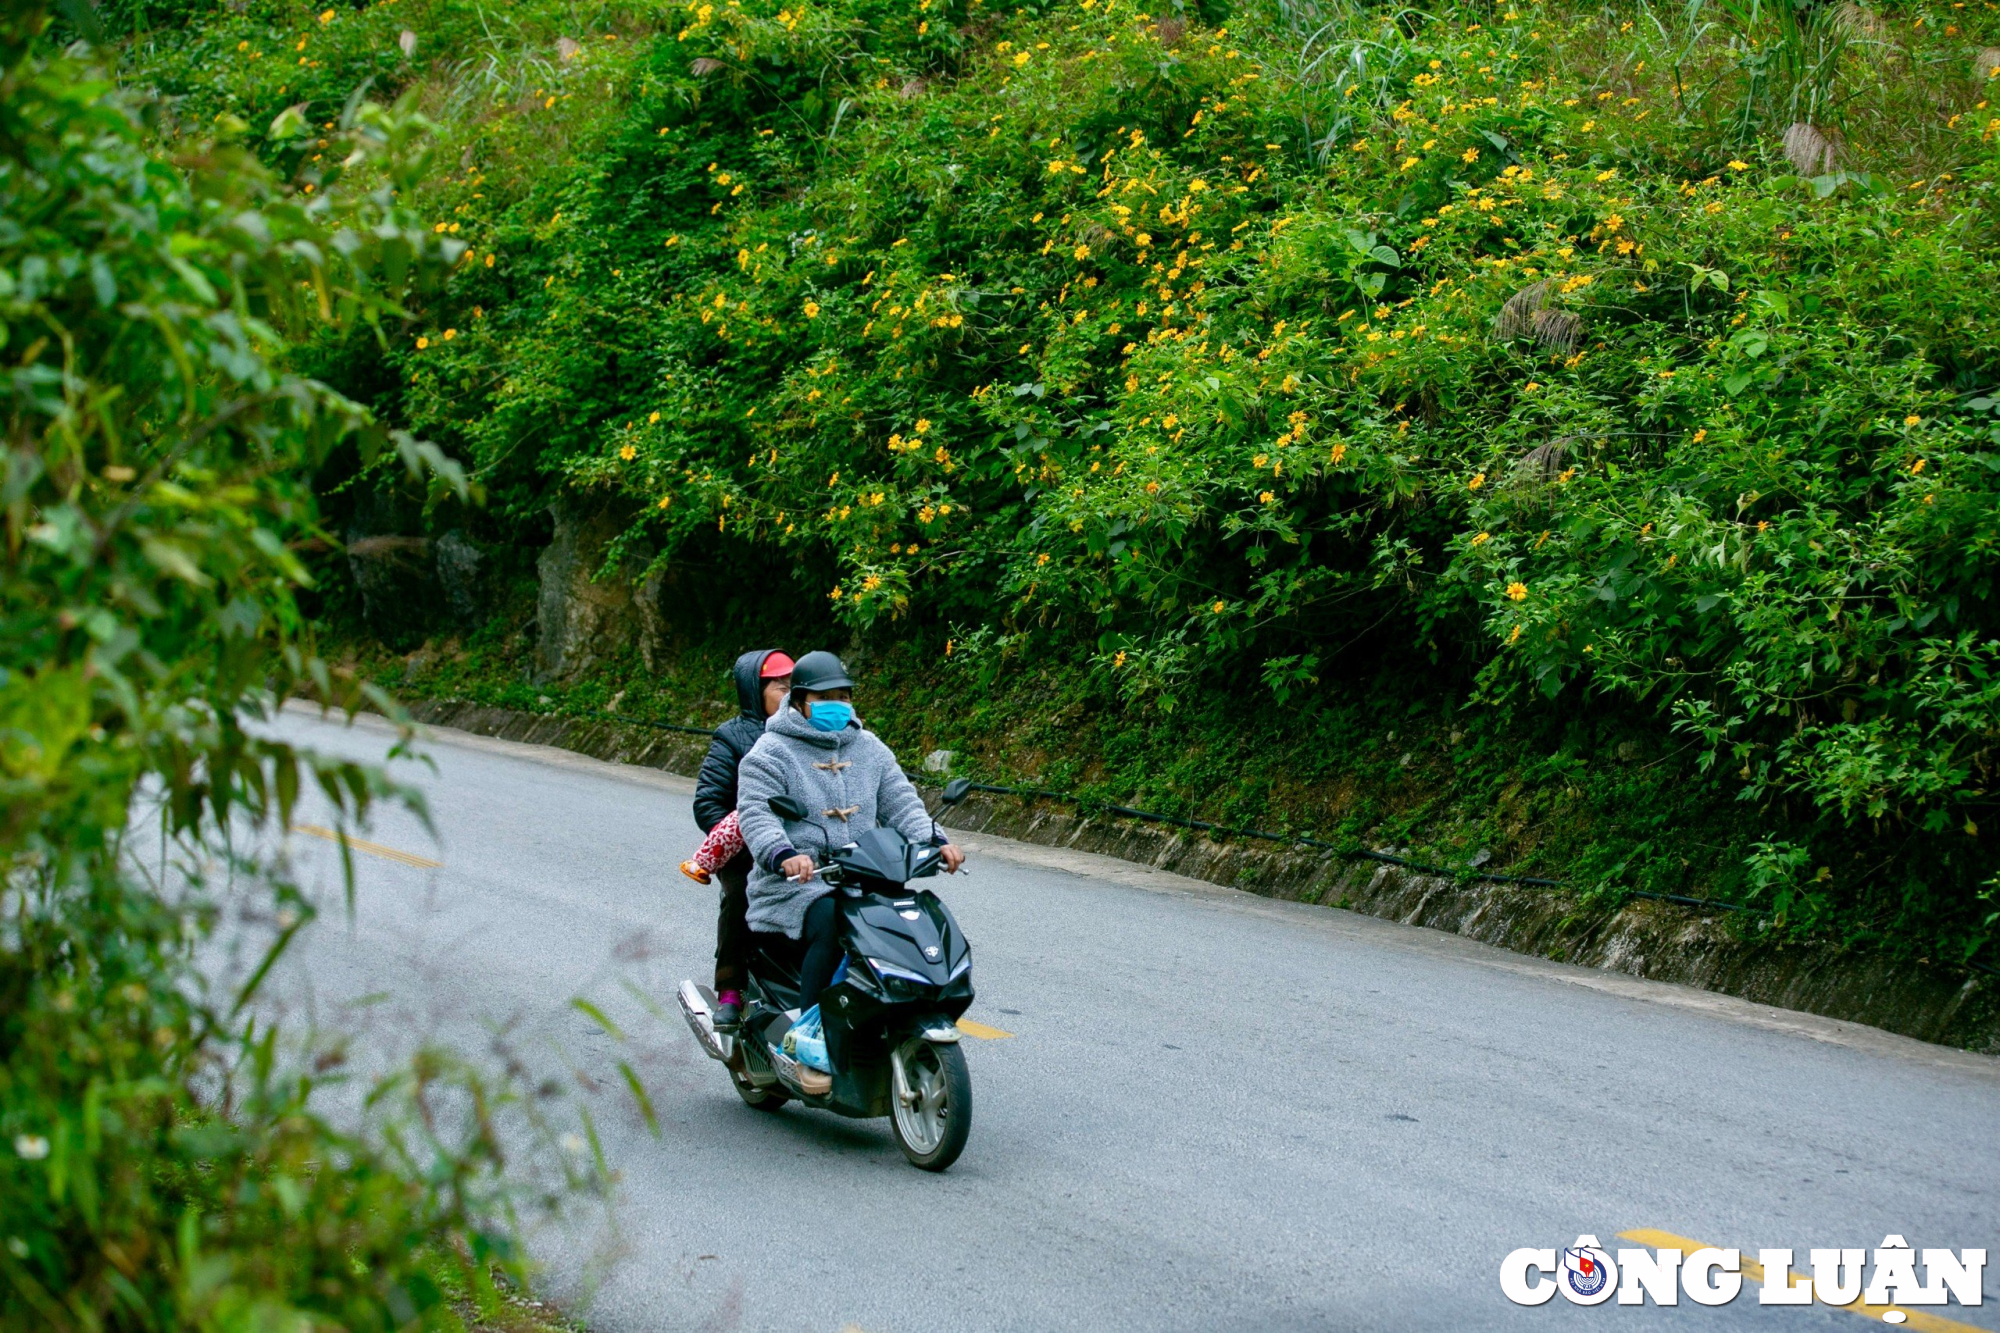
957,790
789,807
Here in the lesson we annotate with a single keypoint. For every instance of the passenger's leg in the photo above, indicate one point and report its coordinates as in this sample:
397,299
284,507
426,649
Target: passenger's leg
732,941
732,932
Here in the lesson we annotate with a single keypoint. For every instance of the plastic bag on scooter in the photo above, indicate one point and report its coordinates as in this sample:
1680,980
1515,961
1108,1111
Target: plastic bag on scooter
805,1041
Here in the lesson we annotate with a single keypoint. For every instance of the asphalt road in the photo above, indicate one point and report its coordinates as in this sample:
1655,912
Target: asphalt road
1212,1111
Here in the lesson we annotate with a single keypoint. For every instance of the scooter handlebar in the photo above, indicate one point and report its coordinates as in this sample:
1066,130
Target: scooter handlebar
831,873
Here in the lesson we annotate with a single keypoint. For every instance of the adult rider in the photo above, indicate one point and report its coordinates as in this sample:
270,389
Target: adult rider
814,750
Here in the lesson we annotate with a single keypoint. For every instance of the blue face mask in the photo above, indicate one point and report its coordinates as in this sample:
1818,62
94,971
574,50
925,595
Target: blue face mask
831,714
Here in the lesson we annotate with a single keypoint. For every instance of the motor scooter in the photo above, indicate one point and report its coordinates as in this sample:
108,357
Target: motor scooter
904,979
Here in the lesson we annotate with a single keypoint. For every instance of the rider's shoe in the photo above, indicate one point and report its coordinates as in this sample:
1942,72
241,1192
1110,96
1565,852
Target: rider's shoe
694,872
814,1082
728,1012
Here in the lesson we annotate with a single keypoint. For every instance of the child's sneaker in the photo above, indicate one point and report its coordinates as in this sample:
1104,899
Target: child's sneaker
694,872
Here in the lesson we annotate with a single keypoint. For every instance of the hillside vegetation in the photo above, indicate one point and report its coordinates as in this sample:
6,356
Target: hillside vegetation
1253,378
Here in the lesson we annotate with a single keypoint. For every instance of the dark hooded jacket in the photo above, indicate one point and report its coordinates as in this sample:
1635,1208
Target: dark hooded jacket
715,785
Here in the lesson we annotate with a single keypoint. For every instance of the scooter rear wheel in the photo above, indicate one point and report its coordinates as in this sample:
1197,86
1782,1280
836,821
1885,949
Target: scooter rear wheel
931,1128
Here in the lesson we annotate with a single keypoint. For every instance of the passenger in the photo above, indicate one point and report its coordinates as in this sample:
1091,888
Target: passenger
762,680
723,844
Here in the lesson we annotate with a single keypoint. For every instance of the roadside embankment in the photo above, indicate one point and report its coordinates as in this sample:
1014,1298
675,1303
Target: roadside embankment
1657,940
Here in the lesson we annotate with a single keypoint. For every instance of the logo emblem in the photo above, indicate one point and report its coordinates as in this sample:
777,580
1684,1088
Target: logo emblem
931,952
1588,1276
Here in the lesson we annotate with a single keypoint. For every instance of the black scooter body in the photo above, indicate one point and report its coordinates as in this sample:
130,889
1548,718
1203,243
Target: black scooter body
907,969
865,1010
905,975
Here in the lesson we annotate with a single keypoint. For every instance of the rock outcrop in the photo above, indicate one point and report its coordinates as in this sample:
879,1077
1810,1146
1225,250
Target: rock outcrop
465,574
588,613
397,582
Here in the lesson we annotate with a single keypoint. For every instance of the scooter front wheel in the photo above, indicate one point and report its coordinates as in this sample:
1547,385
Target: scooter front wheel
932,1094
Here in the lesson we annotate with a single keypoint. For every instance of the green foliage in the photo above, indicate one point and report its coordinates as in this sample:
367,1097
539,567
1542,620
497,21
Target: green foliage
164,1161
1643,358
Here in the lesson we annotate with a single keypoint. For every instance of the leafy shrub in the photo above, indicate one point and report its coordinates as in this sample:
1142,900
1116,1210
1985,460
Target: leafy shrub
164,1162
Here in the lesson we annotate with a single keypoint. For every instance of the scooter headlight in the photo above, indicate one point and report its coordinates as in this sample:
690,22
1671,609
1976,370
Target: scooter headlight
897,981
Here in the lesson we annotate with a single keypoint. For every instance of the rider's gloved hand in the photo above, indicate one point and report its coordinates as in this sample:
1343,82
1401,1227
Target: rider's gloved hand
799,868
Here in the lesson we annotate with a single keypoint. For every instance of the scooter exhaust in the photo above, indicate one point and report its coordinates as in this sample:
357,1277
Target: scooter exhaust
697,1006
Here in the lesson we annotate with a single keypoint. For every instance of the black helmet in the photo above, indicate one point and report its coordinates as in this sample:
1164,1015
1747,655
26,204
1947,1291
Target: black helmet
819,672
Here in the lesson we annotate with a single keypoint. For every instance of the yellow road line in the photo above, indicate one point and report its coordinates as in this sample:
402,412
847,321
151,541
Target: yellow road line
1753,1273
980,1030
372,848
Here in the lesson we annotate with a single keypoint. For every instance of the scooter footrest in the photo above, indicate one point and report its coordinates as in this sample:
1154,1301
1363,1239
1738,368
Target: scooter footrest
698,1007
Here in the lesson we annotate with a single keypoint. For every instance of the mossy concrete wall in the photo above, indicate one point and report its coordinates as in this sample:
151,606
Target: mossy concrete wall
1661,941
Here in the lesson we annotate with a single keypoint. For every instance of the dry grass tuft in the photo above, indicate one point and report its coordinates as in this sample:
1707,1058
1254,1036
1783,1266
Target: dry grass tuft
1528,312
1858,21
1171,31
914,88
1531,482
1557,330
1809,149
566,48
1986,65
1518,315
1543,461
706,66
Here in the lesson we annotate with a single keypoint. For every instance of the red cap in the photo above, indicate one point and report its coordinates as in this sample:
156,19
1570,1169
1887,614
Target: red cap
777,664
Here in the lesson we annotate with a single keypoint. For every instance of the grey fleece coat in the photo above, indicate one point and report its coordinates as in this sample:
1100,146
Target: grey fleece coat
848,780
